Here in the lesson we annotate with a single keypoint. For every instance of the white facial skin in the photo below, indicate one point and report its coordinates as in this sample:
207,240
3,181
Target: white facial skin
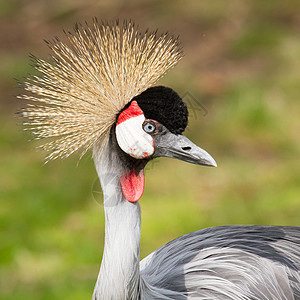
133,137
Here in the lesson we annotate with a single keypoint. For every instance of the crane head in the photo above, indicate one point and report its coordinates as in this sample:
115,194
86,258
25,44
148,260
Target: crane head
151,126
99,81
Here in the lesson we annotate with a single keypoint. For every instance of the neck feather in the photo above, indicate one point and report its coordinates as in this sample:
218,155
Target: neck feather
119,276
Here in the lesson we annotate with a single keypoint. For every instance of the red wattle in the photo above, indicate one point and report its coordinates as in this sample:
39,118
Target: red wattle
133,185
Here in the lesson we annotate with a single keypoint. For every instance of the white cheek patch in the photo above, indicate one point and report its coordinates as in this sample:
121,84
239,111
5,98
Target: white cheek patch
131,137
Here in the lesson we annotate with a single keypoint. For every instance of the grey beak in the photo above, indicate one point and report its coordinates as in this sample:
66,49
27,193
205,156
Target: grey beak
180,147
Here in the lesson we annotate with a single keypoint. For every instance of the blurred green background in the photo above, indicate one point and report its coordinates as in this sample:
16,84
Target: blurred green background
241,78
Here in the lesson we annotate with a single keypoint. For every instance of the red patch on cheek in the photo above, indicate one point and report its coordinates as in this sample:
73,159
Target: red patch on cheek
132,111
133,185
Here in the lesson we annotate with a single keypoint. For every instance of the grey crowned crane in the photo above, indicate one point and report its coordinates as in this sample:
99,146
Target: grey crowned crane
97,92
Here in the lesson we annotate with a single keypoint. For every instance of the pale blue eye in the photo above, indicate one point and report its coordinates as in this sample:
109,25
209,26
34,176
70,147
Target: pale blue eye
149,127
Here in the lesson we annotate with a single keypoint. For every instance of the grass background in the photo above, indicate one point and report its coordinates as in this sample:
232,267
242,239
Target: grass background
240,76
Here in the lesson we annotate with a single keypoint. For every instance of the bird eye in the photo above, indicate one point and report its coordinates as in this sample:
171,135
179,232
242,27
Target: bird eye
149,127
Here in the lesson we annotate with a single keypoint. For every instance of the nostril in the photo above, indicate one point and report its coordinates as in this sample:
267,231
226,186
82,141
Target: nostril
188,148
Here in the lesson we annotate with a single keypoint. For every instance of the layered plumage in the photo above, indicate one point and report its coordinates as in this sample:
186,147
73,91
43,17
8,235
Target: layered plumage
228,263
221,263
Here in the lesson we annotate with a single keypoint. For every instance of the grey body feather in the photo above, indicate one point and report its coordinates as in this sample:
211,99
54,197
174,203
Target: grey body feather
228,263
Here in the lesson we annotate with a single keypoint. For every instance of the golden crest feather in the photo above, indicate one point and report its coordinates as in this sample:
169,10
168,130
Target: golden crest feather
75,100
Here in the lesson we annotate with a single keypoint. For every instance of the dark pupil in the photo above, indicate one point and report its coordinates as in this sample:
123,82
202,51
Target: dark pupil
149,127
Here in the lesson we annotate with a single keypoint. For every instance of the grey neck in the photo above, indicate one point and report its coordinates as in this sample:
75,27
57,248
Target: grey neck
119,276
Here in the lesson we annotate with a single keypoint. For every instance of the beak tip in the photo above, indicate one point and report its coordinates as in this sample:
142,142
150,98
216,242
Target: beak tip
212,163
209,160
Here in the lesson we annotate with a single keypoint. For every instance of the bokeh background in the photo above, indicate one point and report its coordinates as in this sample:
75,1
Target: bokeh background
241,79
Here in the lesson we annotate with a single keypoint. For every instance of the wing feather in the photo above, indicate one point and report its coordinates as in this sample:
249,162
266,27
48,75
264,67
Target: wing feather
229,262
